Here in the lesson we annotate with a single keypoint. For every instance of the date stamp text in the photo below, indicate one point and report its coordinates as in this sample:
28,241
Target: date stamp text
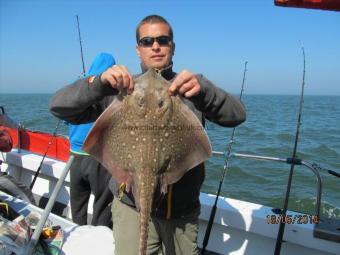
292,219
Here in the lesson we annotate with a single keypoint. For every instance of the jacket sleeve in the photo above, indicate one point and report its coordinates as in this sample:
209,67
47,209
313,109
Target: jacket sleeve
81,101
217,105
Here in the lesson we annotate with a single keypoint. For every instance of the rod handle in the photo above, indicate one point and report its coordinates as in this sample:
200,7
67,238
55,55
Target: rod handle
336,174
295,161
207,232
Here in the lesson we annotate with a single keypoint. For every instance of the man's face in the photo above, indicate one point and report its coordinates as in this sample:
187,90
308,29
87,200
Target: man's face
155,55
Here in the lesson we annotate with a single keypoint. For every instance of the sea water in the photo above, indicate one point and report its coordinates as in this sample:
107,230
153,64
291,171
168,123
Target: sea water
268,131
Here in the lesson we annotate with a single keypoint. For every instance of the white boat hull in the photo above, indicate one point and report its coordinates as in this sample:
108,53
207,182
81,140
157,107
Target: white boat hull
239,228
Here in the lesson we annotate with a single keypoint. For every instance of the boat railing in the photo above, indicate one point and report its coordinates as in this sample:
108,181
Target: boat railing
326,228
48,208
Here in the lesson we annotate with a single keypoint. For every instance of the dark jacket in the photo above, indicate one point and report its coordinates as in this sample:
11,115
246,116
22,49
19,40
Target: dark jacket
82,102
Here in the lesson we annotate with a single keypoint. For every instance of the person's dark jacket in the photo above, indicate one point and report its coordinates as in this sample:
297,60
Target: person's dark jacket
83,102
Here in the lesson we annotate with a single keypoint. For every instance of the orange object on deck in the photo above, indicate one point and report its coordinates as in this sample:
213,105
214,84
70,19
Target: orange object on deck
6,142
37,142
333,5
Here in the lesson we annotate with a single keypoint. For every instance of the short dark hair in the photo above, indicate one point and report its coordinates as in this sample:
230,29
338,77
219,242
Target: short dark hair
154,19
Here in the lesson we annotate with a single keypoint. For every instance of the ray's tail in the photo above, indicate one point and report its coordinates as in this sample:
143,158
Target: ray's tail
146,196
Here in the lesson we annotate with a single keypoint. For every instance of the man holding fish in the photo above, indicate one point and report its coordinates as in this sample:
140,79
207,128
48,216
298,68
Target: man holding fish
150,139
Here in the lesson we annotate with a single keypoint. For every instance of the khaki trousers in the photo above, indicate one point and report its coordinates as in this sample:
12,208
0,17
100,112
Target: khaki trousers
167,237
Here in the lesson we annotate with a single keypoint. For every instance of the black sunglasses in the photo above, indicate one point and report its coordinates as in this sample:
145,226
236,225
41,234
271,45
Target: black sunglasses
148,41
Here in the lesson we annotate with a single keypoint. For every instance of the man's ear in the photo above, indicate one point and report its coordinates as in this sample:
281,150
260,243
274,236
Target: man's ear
137,50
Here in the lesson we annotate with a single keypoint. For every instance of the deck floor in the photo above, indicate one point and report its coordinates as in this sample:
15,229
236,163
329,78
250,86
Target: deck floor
209,253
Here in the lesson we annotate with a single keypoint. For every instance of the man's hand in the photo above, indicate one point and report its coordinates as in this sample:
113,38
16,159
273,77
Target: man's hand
118,77
185,84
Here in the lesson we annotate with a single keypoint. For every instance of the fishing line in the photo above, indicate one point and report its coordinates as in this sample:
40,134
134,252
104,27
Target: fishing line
285,206
225,168
42,160
81,47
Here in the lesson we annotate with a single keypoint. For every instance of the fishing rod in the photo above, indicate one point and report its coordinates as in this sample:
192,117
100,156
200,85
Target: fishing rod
225,168
59,121
42,160
30,247
81,47
285,206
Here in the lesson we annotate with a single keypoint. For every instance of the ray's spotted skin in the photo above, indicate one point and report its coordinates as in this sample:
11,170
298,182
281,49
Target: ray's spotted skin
146,139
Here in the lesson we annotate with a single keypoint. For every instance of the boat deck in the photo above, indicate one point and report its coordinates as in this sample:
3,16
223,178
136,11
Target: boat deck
240,227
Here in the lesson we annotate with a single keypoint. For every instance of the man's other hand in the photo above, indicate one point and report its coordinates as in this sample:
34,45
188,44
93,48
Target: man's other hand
118,77
185,84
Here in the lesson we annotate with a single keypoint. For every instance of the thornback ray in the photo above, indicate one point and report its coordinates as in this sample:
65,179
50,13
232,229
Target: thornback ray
148,139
